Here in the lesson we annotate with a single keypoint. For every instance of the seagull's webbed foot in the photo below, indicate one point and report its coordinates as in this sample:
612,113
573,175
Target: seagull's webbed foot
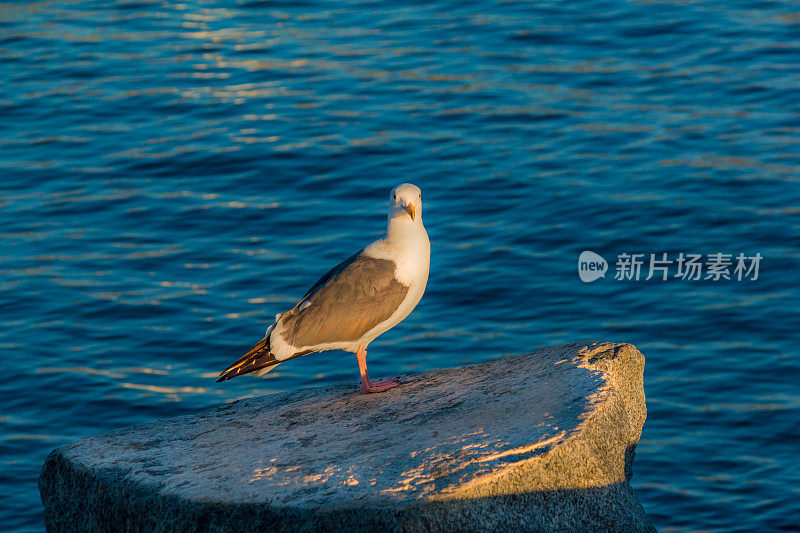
379,385
368,386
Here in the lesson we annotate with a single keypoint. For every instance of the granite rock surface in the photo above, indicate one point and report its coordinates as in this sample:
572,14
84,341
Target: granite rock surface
533,442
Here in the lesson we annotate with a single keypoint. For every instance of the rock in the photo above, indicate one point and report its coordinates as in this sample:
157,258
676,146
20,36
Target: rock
529,442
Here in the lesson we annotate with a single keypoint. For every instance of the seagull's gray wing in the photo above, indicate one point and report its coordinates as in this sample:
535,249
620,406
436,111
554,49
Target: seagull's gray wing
349,300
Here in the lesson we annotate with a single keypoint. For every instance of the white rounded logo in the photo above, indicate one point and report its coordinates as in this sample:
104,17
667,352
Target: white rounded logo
591,266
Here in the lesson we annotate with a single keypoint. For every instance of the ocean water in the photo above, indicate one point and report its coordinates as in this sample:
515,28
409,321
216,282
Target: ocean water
172,175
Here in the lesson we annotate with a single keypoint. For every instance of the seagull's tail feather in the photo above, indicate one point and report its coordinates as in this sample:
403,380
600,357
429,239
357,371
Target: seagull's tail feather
258,359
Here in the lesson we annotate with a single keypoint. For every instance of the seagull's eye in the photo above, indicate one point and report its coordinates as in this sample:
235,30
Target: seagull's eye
394,196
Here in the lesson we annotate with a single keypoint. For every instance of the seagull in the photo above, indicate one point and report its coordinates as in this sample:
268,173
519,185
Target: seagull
359,299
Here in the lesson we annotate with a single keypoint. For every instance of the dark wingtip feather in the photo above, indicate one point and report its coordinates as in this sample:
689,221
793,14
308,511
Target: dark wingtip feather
256,358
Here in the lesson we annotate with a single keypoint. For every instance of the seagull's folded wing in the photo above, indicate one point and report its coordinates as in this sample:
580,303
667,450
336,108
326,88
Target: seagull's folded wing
347,302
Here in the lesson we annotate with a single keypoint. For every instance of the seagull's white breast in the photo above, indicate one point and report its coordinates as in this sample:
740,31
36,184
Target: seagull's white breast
410,250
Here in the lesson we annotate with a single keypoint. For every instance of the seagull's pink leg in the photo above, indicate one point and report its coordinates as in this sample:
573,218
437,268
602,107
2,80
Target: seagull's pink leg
368,386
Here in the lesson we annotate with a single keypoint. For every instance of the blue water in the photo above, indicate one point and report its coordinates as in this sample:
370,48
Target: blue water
175,174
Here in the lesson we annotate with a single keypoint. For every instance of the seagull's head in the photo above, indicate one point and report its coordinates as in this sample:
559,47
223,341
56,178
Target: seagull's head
406,202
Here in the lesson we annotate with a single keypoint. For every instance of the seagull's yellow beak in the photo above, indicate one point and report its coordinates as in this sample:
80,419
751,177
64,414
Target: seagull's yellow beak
410,210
